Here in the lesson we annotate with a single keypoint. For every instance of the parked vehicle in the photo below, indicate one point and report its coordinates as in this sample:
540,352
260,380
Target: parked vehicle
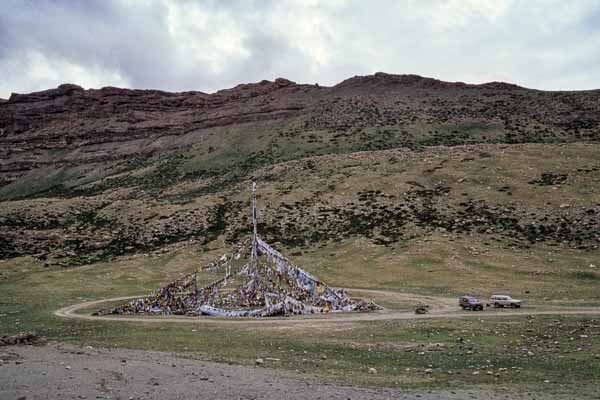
502,300
470,303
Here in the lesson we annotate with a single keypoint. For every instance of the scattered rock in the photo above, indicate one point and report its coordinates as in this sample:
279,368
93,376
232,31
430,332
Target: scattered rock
24,338
422,309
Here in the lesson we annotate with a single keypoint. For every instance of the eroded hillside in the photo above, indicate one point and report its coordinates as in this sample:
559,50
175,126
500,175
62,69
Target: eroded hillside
87,175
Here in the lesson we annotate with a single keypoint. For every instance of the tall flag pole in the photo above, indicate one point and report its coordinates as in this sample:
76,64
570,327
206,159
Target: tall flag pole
254,235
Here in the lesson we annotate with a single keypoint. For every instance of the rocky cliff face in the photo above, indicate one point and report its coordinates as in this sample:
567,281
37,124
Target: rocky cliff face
89,174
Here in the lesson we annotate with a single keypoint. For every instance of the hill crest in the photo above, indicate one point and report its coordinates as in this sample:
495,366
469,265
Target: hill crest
267,86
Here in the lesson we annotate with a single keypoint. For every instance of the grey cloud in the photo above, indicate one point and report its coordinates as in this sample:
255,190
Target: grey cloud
208,45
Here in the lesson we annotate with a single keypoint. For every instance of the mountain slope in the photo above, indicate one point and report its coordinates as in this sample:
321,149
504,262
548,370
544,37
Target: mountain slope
87,175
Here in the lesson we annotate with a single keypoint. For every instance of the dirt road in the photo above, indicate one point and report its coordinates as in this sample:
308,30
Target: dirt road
72,372
441,307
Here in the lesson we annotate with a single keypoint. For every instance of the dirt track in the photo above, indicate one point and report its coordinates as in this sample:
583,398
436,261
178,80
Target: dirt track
441,307
74,372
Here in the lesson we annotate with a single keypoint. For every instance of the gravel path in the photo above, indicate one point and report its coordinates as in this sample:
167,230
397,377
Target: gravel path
70,372
441,307
58,371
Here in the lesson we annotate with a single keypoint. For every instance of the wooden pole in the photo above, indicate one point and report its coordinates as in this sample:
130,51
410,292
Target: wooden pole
254,235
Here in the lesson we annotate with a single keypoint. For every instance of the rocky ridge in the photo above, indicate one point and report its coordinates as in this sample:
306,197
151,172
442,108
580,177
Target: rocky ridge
71,126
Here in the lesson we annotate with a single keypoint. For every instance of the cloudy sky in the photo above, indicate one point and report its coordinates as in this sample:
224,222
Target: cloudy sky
213,44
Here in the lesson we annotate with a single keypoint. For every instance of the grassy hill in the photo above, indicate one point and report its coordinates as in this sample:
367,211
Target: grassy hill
392,182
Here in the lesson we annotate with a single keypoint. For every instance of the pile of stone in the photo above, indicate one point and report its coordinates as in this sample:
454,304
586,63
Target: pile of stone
268,286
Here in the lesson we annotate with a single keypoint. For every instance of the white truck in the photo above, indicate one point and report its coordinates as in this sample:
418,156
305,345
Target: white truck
502,300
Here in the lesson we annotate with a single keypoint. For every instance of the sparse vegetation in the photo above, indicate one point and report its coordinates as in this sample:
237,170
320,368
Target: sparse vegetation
385,182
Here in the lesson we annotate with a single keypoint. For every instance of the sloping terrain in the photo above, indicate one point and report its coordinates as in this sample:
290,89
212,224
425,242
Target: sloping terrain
87,175
404,188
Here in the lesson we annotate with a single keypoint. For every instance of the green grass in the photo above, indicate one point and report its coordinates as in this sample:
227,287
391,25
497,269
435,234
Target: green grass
413,354
429,262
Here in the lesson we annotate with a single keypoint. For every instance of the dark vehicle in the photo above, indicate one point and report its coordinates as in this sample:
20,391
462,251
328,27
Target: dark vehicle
470,303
